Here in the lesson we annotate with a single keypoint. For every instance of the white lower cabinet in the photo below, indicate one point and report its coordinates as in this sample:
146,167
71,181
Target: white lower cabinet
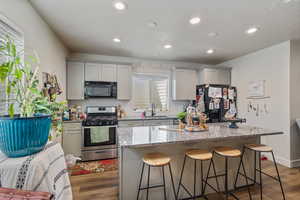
71,138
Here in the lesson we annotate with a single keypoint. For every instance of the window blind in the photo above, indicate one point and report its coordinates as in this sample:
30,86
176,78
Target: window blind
8,29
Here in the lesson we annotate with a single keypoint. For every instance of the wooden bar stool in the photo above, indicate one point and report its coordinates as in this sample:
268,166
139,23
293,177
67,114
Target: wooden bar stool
195,155
156,160
260,148
229,152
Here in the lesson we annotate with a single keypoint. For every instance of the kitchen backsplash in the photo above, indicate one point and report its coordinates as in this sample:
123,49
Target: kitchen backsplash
174,106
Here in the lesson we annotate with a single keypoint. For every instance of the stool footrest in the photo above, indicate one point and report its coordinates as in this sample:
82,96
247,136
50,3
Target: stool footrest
153,186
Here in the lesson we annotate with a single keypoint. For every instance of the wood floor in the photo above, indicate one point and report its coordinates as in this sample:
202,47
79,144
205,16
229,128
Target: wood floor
105,186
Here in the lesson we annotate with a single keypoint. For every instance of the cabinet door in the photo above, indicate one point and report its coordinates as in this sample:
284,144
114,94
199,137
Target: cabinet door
184,84
124,80
191,86
215,76
75,80
92,72
72,138
224,77
109,73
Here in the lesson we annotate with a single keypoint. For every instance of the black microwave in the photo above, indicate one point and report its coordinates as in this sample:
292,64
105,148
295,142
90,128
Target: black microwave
100,89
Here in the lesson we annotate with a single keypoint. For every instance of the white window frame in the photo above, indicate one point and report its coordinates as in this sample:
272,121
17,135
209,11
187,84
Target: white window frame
9,28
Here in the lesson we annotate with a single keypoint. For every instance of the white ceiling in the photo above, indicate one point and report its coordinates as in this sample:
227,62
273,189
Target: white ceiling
88,26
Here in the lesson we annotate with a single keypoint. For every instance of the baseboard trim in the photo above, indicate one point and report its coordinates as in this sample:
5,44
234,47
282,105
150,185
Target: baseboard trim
283,161
295,163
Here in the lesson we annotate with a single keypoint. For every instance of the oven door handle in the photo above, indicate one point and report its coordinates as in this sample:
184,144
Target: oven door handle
113,126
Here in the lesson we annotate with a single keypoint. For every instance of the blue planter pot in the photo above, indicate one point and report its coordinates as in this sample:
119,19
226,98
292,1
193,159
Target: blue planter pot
24,136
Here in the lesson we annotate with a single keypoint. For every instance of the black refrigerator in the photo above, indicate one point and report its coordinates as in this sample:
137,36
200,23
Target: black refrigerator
215,100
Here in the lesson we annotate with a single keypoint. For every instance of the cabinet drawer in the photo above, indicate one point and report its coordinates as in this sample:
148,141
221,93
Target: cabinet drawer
72,126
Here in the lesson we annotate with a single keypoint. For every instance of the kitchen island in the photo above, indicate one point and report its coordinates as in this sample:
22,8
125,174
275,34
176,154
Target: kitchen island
134,142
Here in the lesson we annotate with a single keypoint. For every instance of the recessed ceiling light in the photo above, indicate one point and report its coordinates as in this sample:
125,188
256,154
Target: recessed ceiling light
120,5
210,51
168,46
213,34
252,30
195,20
117,40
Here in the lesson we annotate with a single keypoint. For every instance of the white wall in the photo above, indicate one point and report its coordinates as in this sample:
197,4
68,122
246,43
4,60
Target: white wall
272,65
38,37
295,101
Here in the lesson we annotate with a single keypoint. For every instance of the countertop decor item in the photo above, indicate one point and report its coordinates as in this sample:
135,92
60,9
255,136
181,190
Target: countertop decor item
25,130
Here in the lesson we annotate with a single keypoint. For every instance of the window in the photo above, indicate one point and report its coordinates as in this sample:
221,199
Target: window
150,89
7,28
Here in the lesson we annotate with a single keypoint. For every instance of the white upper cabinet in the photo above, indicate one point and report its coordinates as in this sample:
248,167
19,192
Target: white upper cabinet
93,71
100,72
215,76
75,80
109,73
184,84
124,80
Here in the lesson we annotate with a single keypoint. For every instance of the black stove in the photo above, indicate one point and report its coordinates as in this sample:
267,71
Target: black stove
101,116
99,133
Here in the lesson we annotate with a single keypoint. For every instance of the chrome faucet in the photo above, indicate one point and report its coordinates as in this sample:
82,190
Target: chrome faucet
153,110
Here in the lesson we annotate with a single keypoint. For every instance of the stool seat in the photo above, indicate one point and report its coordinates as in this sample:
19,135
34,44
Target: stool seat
156,159
228,151
199,154
259,147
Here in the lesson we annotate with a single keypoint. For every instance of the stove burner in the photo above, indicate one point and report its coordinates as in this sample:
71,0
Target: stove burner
101,116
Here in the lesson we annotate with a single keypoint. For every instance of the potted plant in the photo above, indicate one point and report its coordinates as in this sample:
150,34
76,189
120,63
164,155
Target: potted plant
25,130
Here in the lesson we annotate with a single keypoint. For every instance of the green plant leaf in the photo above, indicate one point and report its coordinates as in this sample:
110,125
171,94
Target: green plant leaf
11,110
8,89
18,74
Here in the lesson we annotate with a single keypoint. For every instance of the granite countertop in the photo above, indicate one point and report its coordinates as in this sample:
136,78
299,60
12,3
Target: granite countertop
72,121
137,118
149,136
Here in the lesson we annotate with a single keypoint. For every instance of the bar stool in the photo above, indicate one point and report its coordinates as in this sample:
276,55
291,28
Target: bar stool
156,160
229,152
195,155
259,148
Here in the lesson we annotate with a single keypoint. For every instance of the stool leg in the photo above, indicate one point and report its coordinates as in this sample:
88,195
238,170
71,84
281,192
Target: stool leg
172,180
181,176
164,182
215,173
283,195
247,183
195,174
239,168
226,178
260,178
207,175
254,167
148,183
141,178
201,168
